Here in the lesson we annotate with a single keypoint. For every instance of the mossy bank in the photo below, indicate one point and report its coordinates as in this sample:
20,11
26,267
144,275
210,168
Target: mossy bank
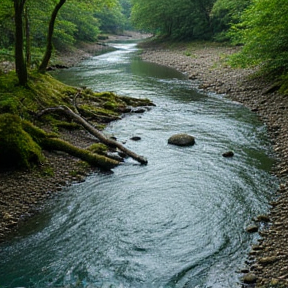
42,152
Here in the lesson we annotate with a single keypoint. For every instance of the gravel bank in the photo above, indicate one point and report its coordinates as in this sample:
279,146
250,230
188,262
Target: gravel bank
204,64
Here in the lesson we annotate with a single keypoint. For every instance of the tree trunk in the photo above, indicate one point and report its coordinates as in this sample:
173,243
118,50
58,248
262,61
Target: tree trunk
20,64
28,40
49,48
94,131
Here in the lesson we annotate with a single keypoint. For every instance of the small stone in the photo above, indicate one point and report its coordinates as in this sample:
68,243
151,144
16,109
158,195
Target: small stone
244,271
249,278
135,138
274,282
139,110
228,154
267,260
263,218
252,229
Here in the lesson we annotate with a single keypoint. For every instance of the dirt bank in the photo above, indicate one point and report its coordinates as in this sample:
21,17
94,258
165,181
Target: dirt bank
205,66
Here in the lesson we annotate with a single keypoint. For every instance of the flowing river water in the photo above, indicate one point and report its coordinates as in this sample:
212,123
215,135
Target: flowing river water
177,222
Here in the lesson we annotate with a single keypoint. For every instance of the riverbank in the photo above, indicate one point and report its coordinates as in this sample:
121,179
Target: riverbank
204,64
24,192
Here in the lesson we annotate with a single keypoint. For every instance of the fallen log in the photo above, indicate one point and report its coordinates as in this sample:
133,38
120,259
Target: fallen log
91,158
95,132
50,142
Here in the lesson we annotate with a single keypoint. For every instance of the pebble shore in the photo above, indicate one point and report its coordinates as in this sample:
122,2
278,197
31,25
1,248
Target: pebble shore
205,65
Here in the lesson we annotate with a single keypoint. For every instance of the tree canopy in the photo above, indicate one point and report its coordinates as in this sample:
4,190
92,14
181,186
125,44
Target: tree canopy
42,25
260,26
263,31
186,19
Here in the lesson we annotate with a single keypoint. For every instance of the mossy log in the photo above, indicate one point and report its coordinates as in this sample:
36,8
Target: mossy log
91,158
112,143
50,142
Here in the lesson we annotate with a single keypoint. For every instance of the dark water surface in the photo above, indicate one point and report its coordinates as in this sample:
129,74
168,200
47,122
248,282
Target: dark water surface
177,222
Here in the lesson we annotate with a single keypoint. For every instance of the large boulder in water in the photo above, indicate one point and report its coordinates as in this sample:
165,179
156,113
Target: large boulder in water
181,140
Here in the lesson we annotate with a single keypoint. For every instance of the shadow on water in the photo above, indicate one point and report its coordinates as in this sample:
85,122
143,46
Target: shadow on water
177,222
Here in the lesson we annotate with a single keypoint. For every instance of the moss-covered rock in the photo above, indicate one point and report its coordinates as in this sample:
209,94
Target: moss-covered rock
98,148
17,148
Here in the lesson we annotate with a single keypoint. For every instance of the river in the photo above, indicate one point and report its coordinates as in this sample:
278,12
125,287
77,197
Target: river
177,222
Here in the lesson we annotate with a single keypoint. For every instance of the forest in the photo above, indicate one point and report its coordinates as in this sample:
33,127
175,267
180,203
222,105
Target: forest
260,26
32,32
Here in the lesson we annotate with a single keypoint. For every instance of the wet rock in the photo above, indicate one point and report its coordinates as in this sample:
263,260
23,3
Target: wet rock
115,156
181,140
252,229
263,218
267,260
249,278
228,154
135,138
139,110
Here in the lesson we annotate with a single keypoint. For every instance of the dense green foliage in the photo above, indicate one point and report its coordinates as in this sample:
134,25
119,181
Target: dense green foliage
260,26
224,14
188,19
17,148
264,32
76,21
184,19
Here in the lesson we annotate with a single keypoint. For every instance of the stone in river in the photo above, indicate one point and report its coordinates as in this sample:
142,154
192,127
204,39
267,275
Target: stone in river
228,154
252,229
135,138
181,140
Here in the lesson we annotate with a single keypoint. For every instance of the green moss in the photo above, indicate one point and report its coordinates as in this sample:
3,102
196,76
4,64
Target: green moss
98,148
284,85
98,110
20,140
17,148
47,171
85,155
110,105
36,133
135,101
43,91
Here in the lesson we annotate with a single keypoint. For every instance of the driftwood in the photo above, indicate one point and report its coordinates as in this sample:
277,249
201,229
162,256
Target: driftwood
112,143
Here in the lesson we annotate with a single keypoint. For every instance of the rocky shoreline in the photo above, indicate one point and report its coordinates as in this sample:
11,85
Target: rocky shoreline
205,65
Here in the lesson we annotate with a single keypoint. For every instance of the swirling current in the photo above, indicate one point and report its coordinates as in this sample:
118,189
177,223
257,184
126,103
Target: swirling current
177,222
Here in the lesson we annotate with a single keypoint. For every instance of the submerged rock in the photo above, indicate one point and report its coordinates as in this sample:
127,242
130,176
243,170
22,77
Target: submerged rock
252,229
228,154
135,138
181,140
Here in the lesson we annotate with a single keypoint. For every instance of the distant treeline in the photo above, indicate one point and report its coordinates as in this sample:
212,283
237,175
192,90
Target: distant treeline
260,26
77,20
